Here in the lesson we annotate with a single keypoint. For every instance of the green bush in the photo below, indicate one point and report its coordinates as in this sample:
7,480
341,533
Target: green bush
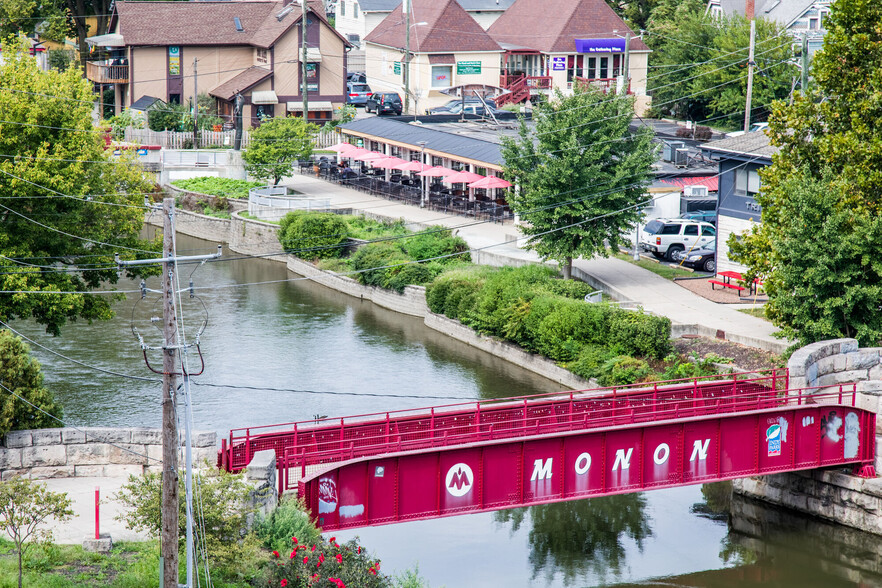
453,292
397,278
290,519
591,358
623,370
376,255
436,242
362,227
638,333
213,186
502,288
562,331
311,235
570,288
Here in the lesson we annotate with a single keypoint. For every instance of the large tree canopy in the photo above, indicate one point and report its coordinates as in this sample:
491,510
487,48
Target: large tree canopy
818,249
65,206
699,63
580,174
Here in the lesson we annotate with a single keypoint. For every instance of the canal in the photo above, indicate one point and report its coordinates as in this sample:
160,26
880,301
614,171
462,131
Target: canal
279,350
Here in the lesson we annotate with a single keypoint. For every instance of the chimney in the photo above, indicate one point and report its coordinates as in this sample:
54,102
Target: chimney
749,9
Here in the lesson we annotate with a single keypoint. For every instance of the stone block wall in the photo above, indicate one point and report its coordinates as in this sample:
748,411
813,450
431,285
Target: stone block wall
834,362
91,452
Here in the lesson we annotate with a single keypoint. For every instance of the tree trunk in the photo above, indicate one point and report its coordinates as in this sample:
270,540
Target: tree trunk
568,268
19,566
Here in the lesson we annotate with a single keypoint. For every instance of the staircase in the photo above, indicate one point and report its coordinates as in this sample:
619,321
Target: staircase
518,91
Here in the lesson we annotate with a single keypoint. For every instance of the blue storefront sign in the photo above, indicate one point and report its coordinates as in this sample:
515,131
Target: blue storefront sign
558,63
600,45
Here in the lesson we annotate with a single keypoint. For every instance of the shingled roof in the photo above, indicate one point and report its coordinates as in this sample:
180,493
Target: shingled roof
564,22
241,82
448,28
205,23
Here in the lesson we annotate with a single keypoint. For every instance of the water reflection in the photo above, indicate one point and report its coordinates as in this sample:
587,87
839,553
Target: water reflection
582,537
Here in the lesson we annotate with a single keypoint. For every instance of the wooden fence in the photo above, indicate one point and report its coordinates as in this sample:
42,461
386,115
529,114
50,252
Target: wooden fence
210,139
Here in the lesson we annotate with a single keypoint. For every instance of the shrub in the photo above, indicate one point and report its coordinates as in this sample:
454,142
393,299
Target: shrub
591,358
313,235
453,293
290,519
623,370
438,242
213,186
502,288
569,288
326,564
397,278
376,255
692,366
362,227
638,333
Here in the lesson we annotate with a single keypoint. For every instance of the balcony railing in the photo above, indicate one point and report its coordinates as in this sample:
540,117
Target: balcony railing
107,72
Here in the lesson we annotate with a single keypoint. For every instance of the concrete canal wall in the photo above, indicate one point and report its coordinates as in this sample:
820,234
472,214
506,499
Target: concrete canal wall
91,452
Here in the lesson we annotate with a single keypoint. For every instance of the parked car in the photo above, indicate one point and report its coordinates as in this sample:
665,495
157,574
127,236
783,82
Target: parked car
357,94
704,258
708,216
457,102
383,103
356,77
473,108
665,238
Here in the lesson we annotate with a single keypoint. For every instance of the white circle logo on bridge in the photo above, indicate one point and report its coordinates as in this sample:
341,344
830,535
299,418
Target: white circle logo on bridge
459,480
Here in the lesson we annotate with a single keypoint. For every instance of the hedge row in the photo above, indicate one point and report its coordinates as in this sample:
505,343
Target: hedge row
530,307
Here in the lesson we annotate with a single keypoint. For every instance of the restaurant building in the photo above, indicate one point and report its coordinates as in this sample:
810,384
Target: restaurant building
252,48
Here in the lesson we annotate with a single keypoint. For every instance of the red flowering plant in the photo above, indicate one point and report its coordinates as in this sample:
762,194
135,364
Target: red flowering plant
327,564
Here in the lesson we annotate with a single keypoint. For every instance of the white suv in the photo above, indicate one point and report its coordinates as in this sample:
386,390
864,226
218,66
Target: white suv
666,238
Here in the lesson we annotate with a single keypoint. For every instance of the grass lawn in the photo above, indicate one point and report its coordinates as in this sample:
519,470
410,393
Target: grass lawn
662,269
759,312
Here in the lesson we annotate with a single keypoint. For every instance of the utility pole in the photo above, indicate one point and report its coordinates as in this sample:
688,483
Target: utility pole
627,65
169,537
750,66
305,91
406,6
804,58
169,532
195,107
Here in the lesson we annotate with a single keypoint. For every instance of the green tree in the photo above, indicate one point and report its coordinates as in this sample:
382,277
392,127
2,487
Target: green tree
817,249
47,17
24,506
277,145
66,205
700,63
171,117
581,175
32,406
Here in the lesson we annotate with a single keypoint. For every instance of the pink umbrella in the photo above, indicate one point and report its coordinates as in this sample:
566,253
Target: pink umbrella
353,153
490,182
463,177
369,156
412,166
343,147
436,172
387,162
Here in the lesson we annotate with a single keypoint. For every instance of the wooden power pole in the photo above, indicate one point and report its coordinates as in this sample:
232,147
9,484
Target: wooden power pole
750,66
304,66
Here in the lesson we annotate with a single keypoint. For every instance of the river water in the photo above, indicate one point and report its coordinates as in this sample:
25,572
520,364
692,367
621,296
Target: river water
278,350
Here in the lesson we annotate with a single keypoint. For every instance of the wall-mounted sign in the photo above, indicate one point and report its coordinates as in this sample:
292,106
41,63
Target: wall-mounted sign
468,68
311,71
600,45
558,63
174,61
310,87
396,68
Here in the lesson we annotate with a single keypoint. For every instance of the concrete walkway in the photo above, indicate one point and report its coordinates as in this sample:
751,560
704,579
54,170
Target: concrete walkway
621,280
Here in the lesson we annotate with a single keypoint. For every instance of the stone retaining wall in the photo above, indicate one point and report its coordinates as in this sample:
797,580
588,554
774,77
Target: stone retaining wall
91,451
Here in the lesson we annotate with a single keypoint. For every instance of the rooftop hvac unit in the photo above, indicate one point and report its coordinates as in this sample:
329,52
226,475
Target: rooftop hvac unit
680,157
669,149
695,191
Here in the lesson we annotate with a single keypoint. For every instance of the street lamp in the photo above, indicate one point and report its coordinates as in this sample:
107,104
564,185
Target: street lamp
423,199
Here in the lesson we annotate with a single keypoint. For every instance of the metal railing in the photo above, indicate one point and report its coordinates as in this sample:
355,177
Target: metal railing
319,442
107,72
272,203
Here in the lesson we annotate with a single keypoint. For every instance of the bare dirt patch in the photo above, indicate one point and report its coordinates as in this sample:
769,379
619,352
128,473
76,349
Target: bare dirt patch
744,358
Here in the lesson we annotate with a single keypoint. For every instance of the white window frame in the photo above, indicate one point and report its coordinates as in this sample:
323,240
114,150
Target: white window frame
449,83
747,182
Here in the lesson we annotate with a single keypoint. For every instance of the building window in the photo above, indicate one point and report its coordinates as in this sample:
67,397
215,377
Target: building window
355,10
747,182
342,7
822,14
442,76
262,56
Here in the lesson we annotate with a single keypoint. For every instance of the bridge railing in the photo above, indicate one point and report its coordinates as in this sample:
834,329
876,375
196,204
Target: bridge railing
316,442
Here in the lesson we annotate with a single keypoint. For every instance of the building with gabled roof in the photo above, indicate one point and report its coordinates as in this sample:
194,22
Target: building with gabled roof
250,48
798,17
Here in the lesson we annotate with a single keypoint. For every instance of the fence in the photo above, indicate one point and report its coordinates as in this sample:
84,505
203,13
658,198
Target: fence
224,139
270,203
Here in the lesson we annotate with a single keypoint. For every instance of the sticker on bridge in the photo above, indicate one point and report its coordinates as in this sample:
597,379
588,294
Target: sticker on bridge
773,438
459,480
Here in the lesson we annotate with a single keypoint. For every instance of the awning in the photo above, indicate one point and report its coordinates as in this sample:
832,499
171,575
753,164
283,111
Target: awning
442,59
317,105
712,182
109,40
313,55
264,97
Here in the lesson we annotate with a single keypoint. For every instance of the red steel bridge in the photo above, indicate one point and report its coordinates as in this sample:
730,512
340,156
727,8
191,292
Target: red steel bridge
494,454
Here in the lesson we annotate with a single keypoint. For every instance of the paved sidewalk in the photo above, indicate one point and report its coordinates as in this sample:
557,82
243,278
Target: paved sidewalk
82,493
624,281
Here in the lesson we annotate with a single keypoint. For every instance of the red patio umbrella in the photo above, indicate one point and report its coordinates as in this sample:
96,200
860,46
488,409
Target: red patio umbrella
437,172
490,182
463,177
415,166
343,147
387,162
369,156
